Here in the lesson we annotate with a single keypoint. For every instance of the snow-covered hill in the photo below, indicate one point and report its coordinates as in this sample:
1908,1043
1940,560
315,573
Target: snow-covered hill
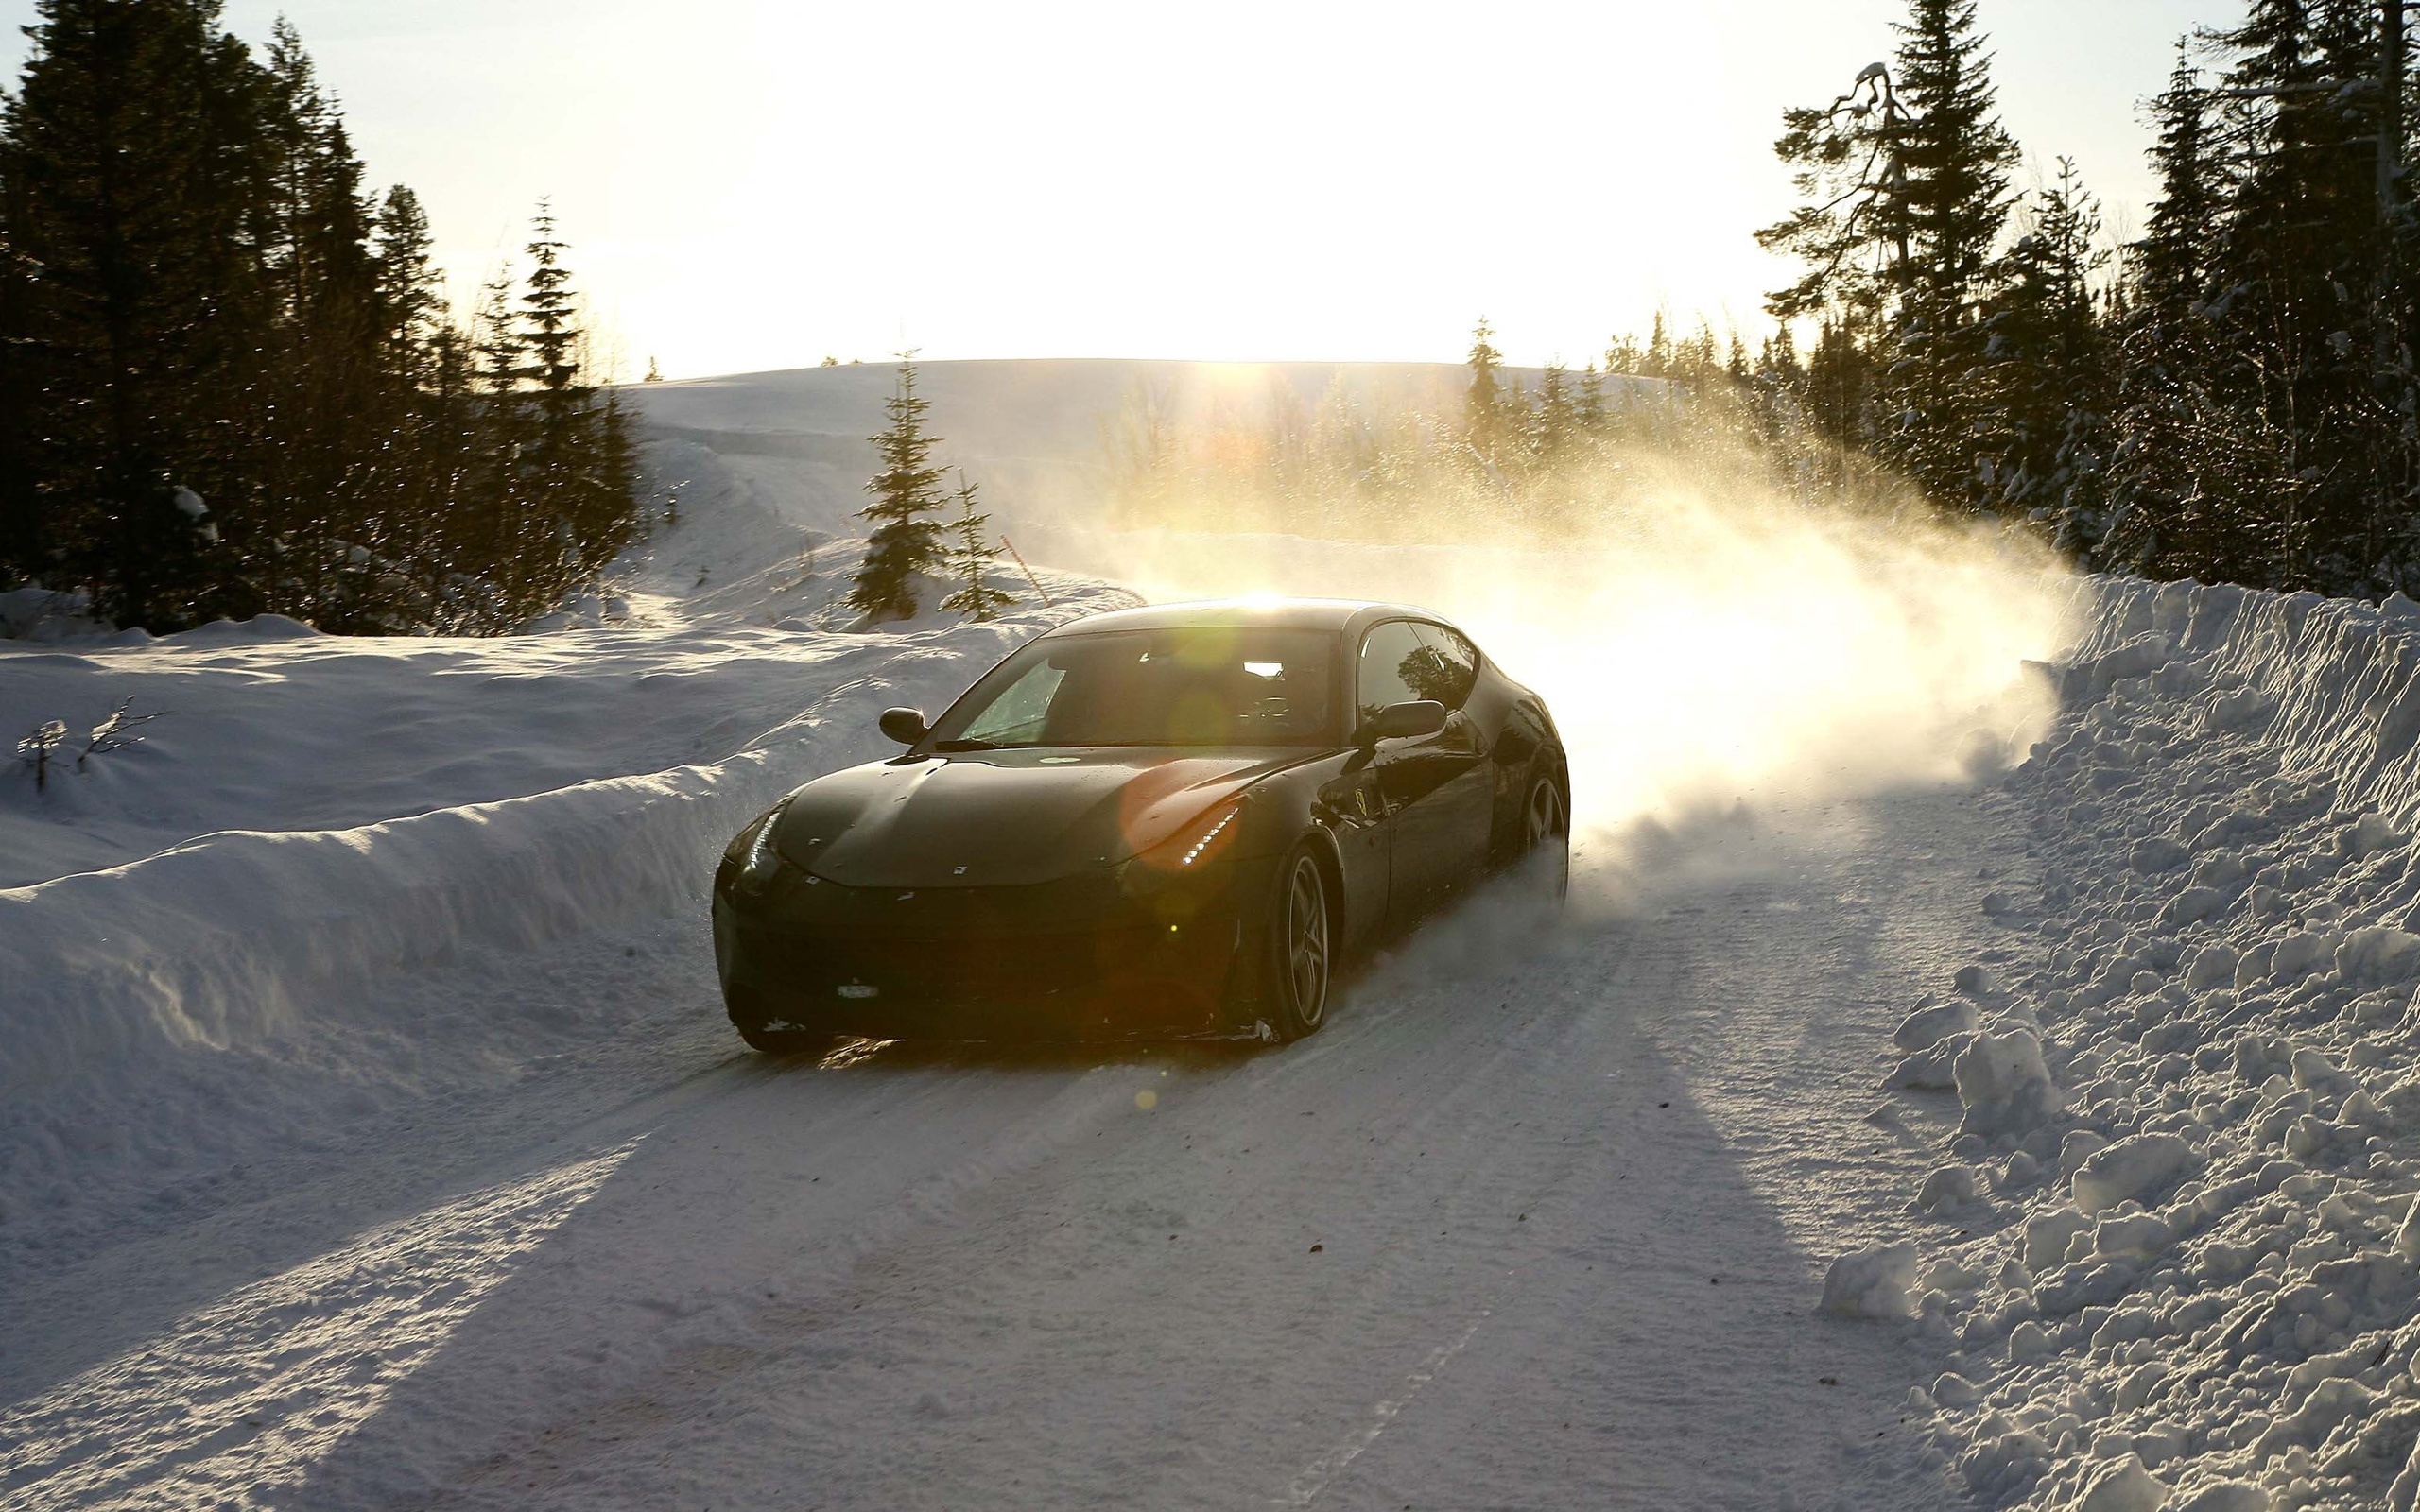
1030,432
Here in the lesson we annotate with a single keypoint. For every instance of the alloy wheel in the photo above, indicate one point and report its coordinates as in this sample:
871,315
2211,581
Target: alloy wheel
1307,943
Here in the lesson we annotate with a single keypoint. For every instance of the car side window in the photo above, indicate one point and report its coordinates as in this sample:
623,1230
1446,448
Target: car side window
1016,716
1450,670
1391,656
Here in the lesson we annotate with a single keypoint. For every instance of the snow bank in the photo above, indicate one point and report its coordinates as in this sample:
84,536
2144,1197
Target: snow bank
226,941
2186,1278
153,1009
36,614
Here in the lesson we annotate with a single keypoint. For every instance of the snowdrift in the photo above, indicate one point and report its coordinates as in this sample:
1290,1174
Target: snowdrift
2172,1254
153,1009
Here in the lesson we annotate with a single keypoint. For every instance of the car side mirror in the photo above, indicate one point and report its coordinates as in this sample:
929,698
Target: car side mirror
1396,721
905,725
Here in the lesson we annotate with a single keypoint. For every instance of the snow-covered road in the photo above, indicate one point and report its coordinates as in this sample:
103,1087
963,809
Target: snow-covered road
1533,1223
371,1134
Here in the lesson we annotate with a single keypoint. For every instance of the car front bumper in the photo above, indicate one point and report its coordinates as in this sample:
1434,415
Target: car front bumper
1073,959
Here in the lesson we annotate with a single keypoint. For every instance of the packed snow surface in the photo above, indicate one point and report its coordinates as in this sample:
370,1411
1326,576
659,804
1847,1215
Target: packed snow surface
1883,1126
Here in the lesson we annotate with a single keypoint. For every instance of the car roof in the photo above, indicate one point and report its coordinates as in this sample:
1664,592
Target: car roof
1257,610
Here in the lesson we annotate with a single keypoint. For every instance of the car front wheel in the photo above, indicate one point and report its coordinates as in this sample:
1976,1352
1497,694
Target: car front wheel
1302,955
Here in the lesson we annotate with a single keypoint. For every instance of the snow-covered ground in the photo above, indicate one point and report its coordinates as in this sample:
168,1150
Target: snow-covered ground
2170,1253
1884,1127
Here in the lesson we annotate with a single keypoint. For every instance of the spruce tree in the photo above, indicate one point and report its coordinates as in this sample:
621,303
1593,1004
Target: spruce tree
1904,193
549,309
1661,360
1946,209
2043,383
1590,409
554,416
1487,413
410,307
2170,510
323,475
1952,161
580,464
970,559
2172,264
25,535
906,539
1555,424
133,157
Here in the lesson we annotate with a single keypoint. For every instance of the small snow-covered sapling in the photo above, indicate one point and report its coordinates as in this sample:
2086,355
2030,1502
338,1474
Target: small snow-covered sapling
35,749
110,733
39,750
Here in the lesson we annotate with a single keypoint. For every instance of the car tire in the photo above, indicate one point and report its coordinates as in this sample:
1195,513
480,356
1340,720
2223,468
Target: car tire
1299,977
1546,822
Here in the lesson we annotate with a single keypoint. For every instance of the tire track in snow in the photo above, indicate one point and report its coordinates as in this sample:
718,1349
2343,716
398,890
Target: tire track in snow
1317,1476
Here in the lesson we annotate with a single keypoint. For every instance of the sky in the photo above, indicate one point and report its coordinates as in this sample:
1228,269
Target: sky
756,184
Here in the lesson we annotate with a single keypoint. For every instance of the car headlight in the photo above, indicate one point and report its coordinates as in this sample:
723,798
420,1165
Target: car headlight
1196,850
761,864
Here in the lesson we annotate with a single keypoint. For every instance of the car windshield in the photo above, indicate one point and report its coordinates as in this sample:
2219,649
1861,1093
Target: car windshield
1200,686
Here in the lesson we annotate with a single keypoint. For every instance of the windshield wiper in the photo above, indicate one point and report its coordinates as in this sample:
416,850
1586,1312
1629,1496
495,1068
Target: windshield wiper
965,745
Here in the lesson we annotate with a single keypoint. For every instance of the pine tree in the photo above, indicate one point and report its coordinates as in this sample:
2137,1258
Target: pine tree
1590,411
1904,193
2172,261
970,559
410,307
906,540
2168,509
1843,163
322,470
1952,160
1948,209
26,533
549,337
1555,424
2044,384
1487,413
134,159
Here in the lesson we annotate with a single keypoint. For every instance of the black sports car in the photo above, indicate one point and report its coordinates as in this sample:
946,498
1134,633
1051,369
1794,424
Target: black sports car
1162,822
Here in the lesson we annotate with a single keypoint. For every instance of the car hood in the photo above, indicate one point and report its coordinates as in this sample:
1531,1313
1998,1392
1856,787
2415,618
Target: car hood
1005,818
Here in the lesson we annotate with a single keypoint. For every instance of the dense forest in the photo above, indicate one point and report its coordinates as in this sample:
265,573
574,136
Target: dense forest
2231,397
229,382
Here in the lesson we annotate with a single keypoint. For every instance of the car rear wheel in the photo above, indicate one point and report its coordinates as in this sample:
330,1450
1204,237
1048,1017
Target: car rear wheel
1302,956
1545,839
